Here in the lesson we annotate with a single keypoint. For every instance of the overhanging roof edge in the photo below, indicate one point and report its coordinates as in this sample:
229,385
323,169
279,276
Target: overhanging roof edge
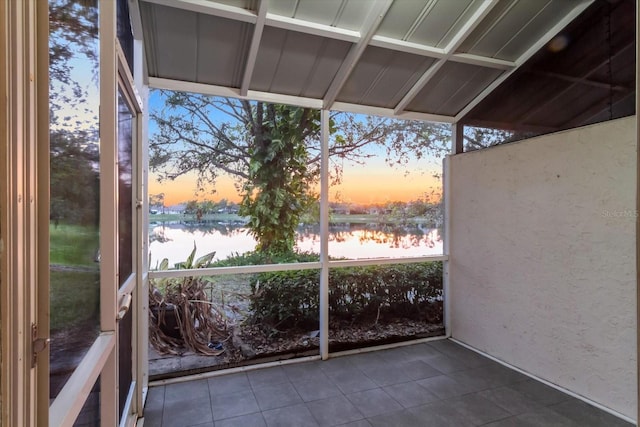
299,101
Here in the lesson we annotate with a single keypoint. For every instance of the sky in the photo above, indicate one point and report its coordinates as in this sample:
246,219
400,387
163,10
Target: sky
372,183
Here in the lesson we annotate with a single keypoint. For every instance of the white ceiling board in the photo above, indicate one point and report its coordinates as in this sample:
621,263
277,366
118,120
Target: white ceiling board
208,7
242,4
297,64
177,57
508,31
534,30
352,14
283,7
436,58
382,77
443,21
402,16
230,42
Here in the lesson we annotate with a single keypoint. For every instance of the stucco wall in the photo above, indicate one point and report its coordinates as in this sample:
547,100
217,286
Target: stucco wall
543,258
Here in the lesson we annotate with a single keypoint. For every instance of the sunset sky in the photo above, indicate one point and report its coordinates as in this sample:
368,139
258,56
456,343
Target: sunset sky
372,183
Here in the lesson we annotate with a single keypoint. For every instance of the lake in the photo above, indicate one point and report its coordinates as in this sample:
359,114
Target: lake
175,240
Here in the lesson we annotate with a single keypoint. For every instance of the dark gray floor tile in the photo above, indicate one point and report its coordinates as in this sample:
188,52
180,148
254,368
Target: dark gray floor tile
386,374
450,348
468,357
251,420
398,355
547,418
476,391
276,395
153,417
367,359
410,394
439,414
402,418
508,422
587,415
334,411
303,371
359,423
373,402
444,387
154,406
317,388
351,381
447,364
337,365
291,416
267,376
539,392
470,379
155,396
497,375
510,400
419,369
187,390
233,405
226,384
477,409
424,351
186,412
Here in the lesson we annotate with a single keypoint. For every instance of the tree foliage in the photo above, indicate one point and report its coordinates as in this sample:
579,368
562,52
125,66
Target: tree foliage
74,153
277,191
273,152
74,196
73,35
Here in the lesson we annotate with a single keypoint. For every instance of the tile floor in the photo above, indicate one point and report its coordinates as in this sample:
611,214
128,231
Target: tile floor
431,384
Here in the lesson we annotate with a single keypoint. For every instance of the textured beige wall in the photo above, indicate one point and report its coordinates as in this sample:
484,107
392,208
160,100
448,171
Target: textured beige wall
543,258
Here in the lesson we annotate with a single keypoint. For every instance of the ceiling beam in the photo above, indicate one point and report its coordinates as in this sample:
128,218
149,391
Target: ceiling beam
539,44
227,92
449,51
136,19
253,49
312,28
388,112
253,95
482,61
406,46
439,53
210,8
370,25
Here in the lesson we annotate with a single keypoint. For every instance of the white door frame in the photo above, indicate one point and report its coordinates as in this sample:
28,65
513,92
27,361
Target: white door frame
23,193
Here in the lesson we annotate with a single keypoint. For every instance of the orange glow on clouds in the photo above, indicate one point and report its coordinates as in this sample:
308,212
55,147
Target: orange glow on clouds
361,185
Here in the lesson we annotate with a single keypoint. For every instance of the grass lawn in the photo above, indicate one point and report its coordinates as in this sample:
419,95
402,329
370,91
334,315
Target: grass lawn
75,276
73,244
75,298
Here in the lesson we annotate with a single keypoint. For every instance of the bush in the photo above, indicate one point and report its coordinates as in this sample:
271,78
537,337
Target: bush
257,258
289,299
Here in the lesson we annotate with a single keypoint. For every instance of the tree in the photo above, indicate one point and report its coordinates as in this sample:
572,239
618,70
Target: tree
277,192
73,34
477,138
273,152
73,138
74,179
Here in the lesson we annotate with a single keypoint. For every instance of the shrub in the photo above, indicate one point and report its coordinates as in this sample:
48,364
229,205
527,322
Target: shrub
288,299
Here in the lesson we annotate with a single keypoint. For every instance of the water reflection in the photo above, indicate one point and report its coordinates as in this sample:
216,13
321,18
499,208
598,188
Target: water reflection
175,240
